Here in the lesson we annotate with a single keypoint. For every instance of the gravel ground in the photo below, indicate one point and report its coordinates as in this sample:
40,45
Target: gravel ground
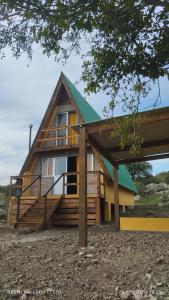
50,265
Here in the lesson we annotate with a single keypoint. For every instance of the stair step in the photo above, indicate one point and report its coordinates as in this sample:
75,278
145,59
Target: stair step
26,222
33,215
31,219
29,225
66,213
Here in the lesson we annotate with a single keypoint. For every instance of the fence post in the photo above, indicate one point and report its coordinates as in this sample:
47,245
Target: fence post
18,209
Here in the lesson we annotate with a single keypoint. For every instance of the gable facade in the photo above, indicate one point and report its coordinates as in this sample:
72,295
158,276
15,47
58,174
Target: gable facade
55,151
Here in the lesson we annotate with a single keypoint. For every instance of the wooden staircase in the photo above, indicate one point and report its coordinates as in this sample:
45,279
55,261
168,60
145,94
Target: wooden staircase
58,210
67,214
33,217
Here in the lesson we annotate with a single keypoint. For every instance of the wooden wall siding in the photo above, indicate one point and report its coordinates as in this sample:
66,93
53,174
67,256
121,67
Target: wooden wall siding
72,119
36,170
25,203
64,108
62,98
68,212
46,183
126,197
92,184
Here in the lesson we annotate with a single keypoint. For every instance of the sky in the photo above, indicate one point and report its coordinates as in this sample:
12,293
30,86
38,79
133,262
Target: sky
26,89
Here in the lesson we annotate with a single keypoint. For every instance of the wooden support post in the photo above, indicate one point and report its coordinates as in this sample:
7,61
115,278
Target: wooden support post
18,209
98,211
82,188
45,211
116,198
40,186
63,192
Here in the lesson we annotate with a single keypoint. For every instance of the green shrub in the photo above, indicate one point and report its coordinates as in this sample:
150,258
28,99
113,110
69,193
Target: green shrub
162,177
140,186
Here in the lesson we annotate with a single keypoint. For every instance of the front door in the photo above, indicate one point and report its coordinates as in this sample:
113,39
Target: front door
72,179
60,168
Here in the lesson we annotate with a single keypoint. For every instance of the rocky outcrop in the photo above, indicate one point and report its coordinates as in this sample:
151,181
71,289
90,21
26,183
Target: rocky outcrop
160,190
156,187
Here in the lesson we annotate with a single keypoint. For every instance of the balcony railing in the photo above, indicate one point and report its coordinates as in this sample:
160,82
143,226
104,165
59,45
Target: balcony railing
95,184
57,137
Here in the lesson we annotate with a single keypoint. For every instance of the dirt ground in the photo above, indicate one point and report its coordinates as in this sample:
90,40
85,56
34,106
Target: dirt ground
50,265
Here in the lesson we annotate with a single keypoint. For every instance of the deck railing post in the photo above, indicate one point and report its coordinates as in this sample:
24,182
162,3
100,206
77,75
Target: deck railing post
40,186
63,184
116,198
45,211
10,188
82,188
18,209
98,212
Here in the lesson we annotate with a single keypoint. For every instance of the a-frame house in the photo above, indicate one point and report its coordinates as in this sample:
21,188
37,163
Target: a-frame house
47,190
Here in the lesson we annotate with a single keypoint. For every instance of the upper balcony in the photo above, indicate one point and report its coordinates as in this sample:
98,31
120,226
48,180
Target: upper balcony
57,138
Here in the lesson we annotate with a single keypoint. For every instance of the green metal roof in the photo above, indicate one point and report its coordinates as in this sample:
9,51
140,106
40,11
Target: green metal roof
90,115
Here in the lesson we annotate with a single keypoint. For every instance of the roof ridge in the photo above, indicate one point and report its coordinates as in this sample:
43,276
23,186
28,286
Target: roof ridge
80,101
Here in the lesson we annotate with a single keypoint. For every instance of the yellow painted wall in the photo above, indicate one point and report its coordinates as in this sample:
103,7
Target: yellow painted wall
145,224
126,197
107,212
72,121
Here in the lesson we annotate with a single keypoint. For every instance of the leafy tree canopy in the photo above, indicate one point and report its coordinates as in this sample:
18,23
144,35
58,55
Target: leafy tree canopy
140,170
128,41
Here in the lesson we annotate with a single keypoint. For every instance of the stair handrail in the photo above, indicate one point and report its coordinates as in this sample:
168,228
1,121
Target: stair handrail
46,195
21,193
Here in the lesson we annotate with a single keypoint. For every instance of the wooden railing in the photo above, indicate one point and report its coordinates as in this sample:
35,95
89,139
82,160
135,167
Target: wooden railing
18,196
99,182
50,137
16,188
64,176
45,196
99,187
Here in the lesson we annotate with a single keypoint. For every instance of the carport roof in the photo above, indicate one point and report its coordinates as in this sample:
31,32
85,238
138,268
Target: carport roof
153,127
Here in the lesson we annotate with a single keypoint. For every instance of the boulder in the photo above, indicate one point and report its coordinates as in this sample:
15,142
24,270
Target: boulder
152,188
137,198
163,186
160,188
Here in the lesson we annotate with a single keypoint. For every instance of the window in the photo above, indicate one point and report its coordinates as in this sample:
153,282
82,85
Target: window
96,164
62,121
92,163
89,162
47,167
60,165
